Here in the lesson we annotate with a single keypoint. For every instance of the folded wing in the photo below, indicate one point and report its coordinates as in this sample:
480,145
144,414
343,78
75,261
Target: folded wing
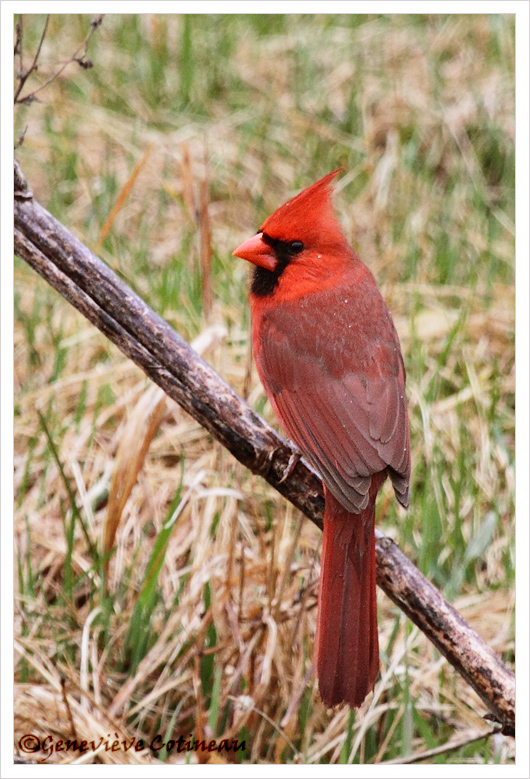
342,402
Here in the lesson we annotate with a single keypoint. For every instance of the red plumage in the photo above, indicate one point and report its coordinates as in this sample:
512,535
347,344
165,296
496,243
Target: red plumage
330,361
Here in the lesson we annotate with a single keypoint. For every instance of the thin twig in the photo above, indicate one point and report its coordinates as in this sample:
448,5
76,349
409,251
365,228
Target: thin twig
449,746
21,137
23,76
19,30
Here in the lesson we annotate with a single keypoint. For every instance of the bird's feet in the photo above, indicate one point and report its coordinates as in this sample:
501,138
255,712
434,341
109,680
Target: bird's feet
291,465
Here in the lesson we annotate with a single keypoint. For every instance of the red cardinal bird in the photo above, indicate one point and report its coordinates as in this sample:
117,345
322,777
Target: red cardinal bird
329,358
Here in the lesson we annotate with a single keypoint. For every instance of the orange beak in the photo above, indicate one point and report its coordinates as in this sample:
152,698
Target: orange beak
257,251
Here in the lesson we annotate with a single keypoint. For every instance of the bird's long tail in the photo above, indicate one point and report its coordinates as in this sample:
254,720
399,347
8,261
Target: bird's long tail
346,643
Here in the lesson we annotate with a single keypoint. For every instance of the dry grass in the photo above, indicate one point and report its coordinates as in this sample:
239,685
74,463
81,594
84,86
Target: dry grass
205,622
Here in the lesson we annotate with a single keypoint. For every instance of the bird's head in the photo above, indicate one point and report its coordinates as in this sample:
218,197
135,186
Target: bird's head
301,240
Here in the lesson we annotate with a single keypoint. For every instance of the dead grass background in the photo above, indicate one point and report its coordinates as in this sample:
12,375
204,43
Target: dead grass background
187,133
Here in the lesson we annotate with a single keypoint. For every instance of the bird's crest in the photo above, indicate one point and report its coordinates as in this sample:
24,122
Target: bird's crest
308,216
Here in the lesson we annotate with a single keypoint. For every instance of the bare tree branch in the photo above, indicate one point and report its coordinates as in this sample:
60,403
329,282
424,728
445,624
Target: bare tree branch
89,285
23,75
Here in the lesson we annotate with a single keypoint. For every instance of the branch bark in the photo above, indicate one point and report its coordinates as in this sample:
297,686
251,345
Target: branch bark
100,295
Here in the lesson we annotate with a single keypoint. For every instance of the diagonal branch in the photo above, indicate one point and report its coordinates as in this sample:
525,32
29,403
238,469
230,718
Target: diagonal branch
89,285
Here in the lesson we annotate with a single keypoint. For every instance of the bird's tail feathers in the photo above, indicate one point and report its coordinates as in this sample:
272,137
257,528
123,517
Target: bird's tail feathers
346,643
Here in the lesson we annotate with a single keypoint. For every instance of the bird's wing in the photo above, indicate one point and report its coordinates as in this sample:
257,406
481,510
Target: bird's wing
342,400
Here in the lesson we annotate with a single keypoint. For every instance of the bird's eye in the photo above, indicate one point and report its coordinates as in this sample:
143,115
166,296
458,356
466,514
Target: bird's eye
296,247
